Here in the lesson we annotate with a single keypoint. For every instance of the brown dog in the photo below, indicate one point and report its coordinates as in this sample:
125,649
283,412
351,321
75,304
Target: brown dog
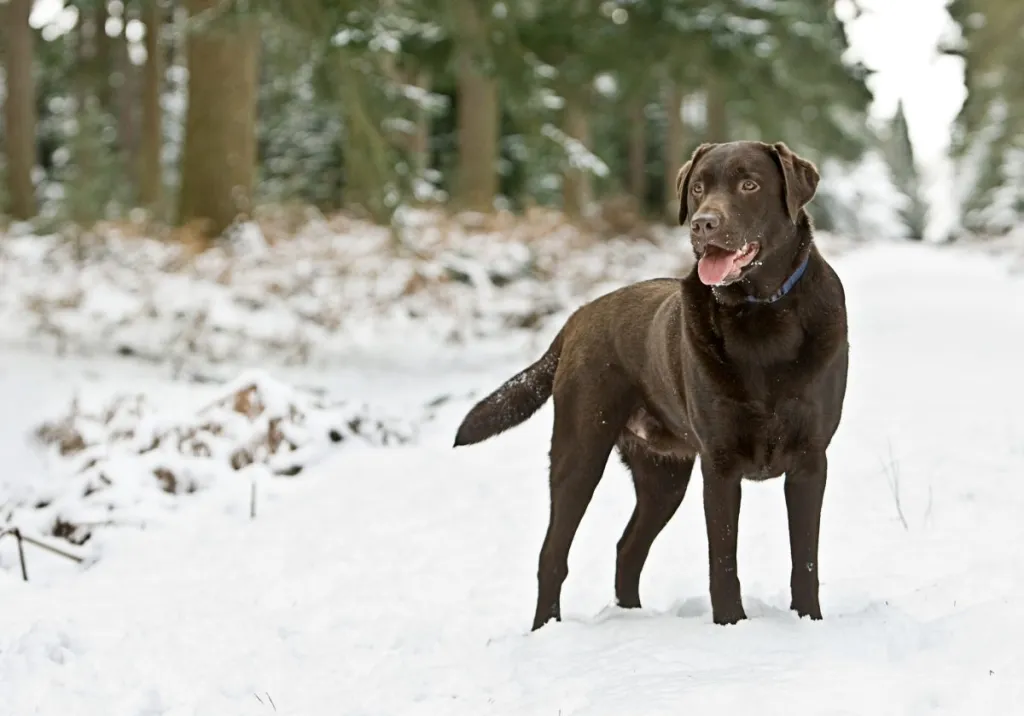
743,363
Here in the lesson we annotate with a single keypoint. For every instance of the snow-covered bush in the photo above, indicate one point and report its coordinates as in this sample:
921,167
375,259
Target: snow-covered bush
125,461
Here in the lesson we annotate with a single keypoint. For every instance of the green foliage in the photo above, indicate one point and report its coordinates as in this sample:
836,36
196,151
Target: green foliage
93,185
299,133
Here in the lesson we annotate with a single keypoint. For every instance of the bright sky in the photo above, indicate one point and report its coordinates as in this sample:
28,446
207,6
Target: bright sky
898,39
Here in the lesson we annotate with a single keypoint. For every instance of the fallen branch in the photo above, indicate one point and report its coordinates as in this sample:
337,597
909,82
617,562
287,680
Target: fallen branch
59,551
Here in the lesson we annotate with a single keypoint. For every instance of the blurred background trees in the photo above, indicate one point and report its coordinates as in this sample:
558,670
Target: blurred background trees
989,139
198,110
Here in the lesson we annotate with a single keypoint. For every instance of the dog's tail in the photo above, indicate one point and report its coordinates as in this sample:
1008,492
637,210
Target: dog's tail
517,399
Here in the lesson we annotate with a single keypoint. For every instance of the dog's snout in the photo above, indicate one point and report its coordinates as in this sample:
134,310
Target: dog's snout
705,223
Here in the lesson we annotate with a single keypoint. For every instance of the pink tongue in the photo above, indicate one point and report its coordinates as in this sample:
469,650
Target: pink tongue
715,265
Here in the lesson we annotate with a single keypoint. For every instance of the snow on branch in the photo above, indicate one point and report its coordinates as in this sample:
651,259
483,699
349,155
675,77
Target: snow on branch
577,154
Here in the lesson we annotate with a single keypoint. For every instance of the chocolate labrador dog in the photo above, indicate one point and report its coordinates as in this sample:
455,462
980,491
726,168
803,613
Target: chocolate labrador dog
743,363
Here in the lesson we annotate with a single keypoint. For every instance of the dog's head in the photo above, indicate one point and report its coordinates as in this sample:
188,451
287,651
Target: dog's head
743,201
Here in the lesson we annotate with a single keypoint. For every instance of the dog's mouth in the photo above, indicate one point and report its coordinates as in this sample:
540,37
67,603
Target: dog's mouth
718,266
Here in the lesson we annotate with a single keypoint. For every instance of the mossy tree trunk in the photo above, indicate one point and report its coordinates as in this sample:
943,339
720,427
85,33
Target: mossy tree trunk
19,108
478,115
219,156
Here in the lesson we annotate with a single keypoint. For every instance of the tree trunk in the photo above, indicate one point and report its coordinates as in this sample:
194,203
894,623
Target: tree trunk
717,113
477,117
673,158
151,141
127,93
577,190
219,156
89,186
19,109
637,148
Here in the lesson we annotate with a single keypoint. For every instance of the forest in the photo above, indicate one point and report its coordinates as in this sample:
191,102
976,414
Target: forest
200,111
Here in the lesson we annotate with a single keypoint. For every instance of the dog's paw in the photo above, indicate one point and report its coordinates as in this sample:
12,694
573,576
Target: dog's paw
628,601
724,617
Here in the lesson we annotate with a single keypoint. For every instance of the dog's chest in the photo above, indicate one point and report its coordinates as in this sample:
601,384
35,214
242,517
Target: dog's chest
758,341
760,440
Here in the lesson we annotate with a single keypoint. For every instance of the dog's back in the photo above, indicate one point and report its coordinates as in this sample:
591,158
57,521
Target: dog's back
607,329
614,327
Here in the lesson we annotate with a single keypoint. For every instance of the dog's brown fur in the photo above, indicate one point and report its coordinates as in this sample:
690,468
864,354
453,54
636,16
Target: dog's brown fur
668,370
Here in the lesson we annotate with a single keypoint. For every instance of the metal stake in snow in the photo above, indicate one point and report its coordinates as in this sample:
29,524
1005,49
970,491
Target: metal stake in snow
16,533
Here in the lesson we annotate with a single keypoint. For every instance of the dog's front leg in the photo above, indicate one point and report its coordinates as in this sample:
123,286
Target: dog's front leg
805,491
721,515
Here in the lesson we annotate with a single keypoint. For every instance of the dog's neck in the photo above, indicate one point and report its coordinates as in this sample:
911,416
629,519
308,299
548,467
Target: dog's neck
776,276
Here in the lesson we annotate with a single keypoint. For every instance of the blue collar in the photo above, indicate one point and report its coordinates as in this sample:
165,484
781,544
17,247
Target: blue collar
786,287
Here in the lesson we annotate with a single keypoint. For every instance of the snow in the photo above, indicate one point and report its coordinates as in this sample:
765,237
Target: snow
401,579
125,459
336,290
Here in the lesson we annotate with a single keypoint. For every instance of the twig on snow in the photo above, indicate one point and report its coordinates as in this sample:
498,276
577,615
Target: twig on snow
891,469
272,704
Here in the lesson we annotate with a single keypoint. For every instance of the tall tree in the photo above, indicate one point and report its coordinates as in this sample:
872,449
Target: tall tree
19,109
125,85
673,159
478,108
636,161
899,153
577,190
219,156
717,111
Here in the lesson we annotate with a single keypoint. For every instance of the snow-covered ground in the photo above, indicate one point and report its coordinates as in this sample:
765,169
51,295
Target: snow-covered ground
401,579
335,290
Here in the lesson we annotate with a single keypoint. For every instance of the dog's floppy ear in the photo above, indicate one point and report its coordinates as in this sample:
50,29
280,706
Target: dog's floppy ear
799,178
683,179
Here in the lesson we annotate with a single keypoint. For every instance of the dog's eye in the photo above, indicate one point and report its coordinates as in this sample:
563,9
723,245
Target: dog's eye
748,185
697,188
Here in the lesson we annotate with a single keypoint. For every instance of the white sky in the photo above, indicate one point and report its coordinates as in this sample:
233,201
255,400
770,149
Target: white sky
898,39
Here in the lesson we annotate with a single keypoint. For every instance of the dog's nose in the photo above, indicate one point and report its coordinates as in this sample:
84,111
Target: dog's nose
705,223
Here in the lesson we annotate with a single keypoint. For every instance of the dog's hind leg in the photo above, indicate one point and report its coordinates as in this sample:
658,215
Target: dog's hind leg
588,419
660,483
